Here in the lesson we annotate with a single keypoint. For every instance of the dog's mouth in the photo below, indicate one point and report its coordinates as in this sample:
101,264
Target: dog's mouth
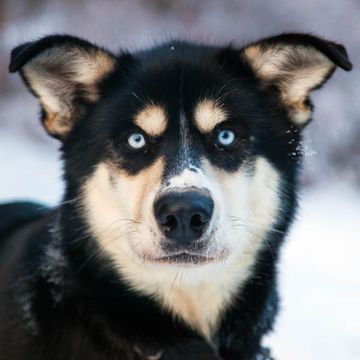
187,259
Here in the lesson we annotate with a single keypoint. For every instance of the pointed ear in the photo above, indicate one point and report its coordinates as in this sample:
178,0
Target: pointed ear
295,64
63,72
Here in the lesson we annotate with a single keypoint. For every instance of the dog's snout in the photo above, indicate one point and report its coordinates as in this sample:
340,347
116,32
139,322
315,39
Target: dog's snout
184,216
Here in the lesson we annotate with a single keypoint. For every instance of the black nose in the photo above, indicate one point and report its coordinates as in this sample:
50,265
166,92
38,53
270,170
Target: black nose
184,216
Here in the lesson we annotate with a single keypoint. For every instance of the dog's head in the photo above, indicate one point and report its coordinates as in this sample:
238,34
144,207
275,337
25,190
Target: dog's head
183,156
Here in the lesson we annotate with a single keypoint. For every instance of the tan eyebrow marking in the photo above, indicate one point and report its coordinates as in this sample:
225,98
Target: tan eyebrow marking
152,119
208,114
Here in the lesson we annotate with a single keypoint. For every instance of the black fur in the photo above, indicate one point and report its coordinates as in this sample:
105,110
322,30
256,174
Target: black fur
58,300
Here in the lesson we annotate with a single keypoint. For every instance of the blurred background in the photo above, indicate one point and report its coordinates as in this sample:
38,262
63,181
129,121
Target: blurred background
319,272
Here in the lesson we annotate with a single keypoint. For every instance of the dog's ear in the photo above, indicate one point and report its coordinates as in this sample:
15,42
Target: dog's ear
63,72
295,64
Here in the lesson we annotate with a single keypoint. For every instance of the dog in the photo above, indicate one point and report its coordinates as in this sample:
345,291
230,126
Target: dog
181,167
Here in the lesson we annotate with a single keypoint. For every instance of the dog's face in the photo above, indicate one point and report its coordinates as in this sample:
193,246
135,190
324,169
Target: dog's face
183,157
183,182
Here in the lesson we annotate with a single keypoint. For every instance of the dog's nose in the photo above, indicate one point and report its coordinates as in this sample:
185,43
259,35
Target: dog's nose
183,216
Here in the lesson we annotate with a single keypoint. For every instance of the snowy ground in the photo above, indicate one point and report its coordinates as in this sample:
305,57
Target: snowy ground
320,283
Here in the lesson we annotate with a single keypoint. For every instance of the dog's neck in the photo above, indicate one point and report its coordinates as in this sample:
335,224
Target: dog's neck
197,296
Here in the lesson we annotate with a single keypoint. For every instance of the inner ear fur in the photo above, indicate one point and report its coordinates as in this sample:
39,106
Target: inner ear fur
62,72
295,64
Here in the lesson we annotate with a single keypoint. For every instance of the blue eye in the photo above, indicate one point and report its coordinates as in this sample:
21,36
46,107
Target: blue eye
226,137
136,141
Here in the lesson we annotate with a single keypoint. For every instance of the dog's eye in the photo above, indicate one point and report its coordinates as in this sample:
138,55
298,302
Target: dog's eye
226,138
136,141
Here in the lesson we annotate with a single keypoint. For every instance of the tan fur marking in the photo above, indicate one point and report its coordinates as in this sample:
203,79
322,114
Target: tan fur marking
252,54
54,77
127,193
208,114
299,112
152,119
200,306
54,125
276,64
270,63
92,69
264,196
